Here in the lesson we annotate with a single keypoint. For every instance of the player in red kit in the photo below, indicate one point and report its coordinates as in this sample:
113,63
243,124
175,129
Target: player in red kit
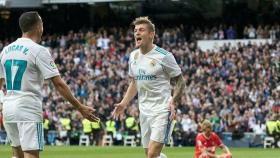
207,141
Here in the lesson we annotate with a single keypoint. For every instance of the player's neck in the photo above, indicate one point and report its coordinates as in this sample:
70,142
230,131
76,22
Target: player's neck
31,36
207,135
147,49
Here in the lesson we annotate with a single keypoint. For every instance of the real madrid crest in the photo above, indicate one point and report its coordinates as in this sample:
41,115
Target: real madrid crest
153,63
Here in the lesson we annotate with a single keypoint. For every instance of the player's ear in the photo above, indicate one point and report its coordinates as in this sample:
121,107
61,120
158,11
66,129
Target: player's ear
152,34
37,27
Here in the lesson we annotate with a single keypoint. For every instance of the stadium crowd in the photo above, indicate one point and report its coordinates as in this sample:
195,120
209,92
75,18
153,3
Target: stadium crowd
235,88
222,32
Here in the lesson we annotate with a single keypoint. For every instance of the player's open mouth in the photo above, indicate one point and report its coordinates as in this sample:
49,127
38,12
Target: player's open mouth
138,39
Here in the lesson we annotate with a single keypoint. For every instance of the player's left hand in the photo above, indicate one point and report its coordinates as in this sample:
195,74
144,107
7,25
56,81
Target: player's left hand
172,110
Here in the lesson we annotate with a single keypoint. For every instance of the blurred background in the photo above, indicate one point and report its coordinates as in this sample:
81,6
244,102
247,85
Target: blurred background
228,50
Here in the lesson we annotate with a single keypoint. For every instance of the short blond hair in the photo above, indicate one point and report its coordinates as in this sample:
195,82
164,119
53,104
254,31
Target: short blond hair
144,20
206,124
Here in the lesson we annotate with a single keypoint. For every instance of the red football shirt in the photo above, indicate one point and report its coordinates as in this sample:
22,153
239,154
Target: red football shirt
210,143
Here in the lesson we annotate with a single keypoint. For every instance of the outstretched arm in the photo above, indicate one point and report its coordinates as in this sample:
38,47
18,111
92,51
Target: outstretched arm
64,90
129,95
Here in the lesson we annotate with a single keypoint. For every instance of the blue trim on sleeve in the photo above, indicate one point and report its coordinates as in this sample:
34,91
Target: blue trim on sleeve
161,51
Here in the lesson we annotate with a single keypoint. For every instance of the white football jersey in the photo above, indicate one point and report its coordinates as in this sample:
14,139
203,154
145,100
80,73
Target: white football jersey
152,73
24,65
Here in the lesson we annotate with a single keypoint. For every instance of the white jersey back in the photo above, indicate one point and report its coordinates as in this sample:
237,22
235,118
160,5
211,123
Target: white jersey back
152,73
24,65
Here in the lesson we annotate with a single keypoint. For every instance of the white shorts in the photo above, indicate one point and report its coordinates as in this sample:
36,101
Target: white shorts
27,135
157,128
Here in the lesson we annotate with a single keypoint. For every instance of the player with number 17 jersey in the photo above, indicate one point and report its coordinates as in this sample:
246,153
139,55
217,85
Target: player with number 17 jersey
24,65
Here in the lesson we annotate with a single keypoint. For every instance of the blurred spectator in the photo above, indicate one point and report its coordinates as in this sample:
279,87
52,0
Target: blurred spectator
231,33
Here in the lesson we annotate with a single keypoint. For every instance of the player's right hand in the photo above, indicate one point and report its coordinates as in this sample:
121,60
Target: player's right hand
88,113
118,112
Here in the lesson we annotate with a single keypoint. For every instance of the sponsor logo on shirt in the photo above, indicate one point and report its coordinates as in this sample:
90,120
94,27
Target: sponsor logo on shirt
142,76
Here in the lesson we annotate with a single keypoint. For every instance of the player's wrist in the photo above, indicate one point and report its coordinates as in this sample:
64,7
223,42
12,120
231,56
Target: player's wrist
123,103
173,106
79,107
173,102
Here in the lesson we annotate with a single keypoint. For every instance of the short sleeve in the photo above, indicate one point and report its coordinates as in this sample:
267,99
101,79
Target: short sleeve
129,67
170,66
46,64
132,59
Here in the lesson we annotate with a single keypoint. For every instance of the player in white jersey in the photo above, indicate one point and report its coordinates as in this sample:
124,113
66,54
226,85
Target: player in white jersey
152,69
24,66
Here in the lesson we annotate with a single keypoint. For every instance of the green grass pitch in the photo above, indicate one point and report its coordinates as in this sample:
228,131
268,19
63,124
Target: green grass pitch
136,152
